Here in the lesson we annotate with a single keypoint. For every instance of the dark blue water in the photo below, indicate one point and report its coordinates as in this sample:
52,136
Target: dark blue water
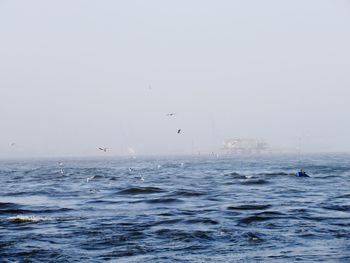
204,209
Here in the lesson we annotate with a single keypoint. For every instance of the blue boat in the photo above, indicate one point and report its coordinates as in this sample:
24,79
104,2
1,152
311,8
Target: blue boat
301,173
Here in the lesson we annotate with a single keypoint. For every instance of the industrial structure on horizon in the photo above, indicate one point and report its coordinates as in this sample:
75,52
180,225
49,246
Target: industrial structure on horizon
245,146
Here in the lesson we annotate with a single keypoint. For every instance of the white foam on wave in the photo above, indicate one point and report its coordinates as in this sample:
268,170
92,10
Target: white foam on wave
25,219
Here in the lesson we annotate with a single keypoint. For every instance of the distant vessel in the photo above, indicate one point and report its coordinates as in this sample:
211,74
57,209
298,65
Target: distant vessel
245,146
301,173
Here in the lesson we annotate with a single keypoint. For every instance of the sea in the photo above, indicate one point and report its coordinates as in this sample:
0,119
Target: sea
206,208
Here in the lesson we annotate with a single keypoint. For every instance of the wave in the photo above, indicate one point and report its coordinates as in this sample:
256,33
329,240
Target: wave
255,182
8,172
263,216
188,193
236,175
12,208
14,211
207,221
253,236
277,174
251,219
343,196
249,207
101,201
7,205
163,200
242,176
141,190
343,208
167,222
232,174
183,235
27,219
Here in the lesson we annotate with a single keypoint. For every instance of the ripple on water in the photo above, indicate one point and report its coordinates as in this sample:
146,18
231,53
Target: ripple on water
27,219
141,190
235,175
182,214
263,216
254,237
12,208
163,200
343,208
188,193
206,221
254,182
277,174
343,196
249,207
184,235
129,250
17,209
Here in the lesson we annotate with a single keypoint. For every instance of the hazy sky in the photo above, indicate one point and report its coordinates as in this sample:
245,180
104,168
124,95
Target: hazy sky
75,75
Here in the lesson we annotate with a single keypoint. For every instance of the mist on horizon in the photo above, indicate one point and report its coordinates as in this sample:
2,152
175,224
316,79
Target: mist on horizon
79,75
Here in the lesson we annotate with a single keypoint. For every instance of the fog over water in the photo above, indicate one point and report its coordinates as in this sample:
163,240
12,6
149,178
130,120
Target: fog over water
77,75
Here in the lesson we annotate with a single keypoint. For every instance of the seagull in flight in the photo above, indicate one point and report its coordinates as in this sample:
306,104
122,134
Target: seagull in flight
103,149
178,131
171,114
90,178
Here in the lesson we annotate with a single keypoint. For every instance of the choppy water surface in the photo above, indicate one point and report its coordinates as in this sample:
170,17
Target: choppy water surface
186,209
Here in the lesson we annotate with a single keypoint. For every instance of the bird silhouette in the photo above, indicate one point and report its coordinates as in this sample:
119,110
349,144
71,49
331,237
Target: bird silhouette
102,149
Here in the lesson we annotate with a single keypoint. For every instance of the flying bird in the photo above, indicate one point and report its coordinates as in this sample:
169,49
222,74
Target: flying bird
179,131
171,114
103,149
90,178
12,144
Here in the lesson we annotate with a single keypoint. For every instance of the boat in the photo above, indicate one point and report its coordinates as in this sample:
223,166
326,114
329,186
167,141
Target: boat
301,173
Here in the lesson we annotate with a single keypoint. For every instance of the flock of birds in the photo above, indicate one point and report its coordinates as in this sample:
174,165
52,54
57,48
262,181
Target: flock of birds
131,170
105,149
171,114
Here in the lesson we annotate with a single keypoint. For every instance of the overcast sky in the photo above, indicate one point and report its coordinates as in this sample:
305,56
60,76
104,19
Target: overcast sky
76,75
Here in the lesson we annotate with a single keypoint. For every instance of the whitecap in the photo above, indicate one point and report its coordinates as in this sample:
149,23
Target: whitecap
25,219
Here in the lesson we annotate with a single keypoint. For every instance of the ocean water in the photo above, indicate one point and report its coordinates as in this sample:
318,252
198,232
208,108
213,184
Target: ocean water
176,209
